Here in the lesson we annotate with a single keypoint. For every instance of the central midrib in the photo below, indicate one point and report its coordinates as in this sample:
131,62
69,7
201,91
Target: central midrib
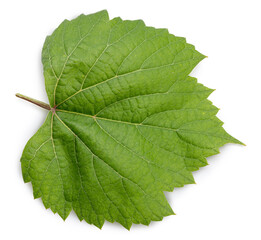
117,121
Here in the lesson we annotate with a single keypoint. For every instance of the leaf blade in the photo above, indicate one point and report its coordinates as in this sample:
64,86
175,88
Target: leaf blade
127,122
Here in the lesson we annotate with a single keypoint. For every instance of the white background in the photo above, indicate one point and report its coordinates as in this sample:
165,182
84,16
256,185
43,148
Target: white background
226,201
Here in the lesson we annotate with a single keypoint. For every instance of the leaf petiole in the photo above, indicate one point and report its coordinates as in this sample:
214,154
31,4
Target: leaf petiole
34,101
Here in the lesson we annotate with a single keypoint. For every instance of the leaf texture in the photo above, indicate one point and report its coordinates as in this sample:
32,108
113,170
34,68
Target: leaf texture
127,121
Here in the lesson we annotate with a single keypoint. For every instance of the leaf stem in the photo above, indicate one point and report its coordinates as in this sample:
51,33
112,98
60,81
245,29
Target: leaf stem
34,101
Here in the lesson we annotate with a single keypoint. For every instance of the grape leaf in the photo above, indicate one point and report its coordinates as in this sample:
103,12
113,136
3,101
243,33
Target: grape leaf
126,121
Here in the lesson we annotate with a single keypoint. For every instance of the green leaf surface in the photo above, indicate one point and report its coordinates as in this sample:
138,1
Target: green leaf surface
127,122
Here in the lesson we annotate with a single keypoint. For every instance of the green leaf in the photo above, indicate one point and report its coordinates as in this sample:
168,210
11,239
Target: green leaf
125,121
